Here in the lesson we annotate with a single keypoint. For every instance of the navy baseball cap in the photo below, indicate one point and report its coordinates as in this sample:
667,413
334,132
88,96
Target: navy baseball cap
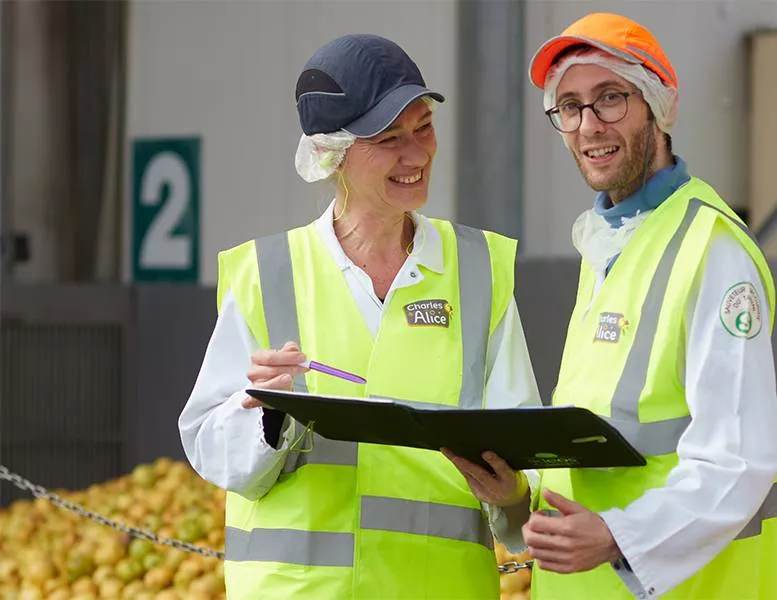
360,83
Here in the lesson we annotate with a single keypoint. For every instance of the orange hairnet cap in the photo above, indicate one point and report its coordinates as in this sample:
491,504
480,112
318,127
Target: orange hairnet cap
614,34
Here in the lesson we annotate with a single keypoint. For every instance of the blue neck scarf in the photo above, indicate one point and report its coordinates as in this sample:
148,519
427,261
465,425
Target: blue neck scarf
656,189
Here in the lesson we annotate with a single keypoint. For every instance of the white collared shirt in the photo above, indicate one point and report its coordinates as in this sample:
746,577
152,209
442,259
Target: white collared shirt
224,442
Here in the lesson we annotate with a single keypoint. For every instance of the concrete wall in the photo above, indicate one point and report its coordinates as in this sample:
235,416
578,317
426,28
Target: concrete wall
705,42
226,70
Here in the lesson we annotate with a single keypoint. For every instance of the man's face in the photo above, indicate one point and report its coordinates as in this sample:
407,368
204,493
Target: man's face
611,156
391,171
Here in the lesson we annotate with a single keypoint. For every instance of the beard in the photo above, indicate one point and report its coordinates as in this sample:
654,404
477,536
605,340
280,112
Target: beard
633,171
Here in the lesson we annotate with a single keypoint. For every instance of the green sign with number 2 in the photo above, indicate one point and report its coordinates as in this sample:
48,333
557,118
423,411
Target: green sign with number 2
166,209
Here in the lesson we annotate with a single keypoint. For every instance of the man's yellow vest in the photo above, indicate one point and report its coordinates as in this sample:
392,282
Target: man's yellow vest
624,360
362,521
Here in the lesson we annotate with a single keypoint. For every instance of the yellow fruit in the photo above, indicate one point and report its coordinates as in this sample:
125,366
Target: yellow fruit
30,593
174,557
216,539
8,568
124,501
79,565
137,512
152,522
144,476
84,586
109,552
158,578
38,570
129,569
51,554
165,532
102,573
207,584
191,566
162,465
139,548
182,580
111,588
513,586
53,585
131,591
152,560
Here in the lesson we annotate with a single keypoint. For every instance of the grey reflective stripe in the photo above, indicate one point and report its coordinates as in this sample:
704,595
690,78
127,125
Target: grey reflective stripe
652,60
425,518
745,229
652,439
659,437
768,510
475,312
329,452
277,281
331,549
310,548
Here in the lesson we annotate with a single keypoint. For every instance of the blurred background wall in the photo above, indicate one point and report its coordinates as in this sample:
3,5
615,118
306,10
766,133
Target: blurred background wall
139,138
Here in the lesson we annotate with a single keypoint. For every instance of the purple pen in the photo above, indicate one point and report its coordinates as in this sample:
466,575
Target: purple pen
321,368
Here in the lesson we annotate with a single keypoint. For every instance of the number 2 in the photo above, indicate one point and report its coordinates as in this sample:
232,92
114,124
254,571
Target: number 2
161,248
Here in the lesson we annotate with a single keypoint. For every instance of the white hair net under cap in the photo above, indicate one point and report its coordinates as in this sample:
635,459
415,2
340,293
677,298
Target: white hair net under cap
319,155
662,100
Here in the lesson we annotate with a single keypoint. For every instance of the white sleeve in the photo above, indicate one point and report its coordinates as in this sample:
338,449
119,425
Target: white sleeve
223,441
510,382
727,455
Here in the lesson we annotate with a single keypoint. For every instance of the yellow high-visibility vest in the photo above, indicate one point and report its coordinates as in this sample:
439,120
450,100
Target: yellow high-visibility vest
624,360
361,521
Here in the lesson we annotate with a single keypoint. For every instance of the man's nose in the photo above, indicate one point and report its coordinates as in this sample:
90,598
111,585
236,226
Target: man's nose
590,124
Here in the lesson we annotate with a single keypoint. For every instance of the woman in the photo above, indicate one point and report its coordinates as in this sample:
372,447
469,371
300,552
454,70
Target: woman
422,308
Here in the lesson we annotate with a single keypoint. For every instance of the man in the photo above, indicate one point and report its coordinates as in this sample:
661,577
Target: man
669,341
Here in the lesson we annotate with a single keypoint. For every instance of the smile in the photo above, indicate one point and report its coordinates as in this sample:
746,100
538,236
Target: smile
601,152
407,179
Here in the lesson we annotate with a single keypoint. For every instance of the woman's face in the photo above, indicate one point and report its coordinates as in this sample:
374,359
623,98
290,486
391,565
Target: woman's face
391,170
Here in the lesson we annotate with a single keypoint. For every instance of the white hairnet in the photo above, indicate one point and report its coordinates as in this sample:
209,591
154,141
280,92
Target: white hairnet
662,100
318,155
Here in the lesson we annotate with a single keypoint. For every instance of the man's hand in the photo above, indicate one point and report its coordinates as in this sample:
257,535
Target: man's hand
503,487
574,541
274,370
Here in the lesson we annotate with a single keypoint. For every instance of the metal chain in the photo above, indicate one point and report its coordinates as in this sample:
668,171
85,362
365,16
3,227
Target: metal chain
41,492
514,566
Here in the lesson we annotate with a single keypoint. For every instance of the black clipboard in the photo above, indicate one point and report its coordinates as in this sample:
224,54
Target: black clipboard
544,437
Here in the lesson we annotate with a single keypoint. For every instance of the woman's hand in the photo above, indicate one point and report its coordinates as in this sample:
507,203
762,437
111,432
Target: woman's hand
503,487
274,370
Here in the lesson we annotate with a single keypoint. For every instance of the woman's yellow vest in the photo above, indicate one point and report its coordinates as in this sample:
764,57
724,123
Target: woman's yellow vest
361,521
624,360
